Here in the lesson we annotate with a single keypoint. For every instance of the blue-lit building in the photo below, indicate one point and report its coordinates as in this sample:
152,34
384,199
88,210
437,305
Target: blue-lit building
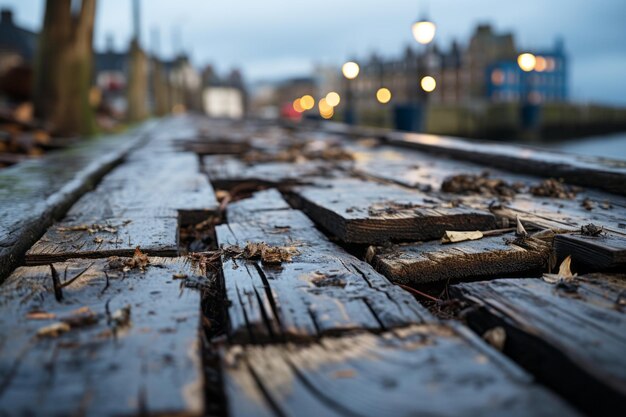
546,82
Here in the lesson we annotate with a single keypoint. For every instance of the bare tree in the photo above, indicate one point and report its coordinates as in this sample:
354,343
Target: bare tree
63,71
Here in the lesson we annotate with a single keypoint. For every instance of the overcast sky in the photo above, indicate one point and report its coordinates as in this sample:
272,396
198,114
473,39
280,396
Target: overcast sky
270,39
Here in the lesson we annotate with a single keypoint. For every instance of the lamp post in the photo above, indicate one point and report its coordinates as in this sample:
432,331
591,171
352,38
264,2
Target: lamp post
530,106
411,116
350,71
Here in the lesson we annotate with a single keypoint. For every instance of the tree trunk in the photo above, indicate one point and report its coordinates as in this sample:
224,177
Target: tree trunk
64,68
137,84
159,88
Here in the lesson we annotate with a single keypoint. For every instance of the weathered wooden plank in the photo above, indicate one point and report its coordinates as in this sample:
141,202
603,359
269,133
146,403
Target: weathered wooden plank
423,262
602,173
323,290
421,370
141,203
602,252
34,193
130,344
571,335
226,172
361,211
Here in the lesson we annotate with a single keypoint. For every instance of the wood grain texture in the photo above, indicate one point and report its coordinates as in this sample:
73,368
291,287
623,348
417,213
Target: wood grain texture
571,336
361,211
324,290
489,257
140,203
606,251
150,365
432,370
34,193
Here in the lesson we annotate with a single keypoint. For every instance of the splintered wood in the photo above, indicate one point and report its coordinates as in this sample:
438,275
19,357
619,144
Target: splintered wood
122,342
306,306
568,332
321,290
141,203
419,370
489,257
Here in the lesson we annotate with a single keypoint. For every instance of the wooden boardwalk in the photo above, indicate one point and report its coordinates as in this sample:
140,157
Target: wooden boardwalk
205,267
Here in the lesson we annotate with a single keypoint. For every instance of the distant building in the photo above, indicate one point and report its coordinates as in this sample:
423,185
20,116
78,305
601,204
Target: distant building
110,73
223,97
486,70
546,83
18,46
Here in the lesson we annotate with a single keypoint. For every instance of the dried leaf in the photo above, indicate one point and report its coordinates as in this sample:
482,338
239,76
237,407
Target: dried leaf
496,337
53,330
454,237
179,275
564,274
40,315
520,231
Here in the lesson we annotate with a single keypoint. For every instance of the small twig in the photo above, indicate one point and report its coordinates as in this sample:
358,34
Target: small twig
417,292
66,283
56,284
107,282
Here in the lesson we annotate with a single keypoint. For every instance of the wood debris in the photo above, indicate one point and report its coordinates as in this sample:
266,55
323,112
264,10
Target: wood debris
139,260
552,187
454,237
121,317
591,230
91,229
480,184
261,250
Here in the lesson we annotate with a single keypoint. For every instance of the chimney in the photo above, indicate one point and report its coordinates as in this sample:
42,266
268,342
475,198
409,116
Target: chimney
6,17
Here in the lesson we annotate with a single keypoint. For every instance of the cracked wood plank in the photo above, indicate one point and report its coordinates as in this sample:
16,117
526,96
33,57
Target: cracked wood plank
101,365
489,257
602,252
572,336
324,290
362,211
140,203
34,193
420,370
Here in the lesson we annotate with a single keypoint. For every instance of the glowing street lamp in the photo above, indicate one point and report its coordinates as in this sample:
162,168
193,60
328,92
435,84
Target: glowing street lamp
527,61
307,102
383,95
333,99
428,84
424,31
350,70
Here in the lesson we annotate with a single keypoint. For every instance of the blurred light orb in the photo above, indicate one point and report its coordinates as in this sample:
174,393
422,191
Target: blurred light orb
297,106
307,102
333,99
428,84
324,106
383,95
527,62
424,31
541,65
350,70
